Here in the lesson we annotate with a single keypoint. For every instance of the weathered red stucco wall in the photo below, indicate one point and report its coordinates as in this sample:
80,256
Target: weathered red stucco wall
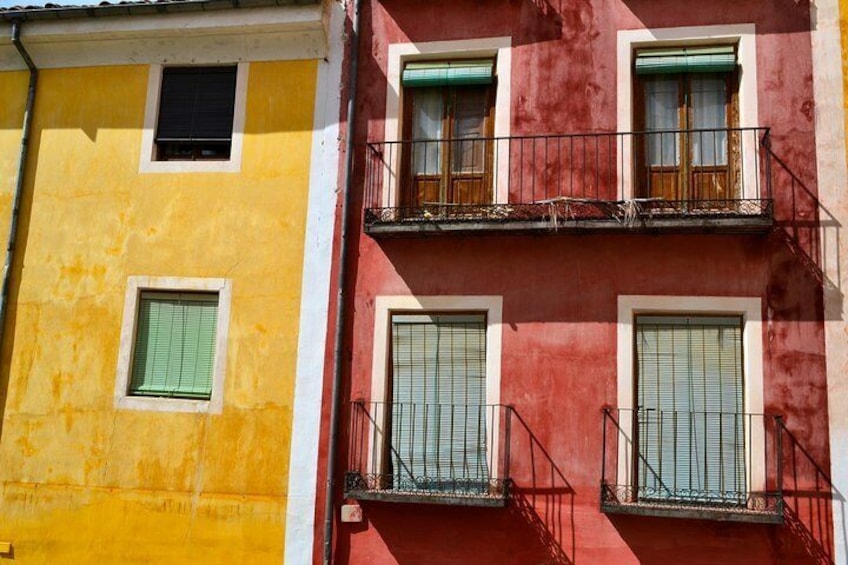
560,295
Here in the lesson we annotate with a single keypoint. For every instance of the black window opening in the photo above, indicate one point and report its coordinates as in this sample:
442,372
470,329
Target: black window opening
196,109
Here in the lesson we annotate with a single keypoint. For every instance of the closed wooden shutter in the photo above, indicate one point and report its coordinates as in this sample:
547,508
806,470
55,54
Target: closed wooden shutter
690,407
438,402
174,349
196,104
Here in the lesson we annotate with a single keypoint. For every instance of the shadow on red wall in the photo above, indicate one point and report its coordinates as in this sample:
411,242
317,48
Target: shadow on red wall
536,526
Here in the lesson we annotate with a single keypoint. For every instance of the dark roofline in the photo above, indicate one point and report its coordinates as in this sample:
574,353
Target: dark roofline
136,8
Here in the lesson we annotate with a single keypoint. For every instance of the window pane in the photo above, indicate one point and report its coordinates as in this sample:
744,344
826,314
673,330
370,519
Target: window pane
438,439
662,113
427,118
470,109
175,345
691,422
709,112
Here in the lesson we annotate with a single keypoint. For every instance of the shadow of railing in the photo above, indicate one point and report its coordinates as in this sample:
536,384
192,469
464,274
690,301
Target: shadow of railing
809,496
809,231
541,494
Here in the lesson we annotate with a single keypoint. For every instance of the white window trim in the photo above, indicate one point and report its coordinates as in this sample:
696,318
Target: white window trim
135,285
401,53
384,307
750,308
147,158
743,35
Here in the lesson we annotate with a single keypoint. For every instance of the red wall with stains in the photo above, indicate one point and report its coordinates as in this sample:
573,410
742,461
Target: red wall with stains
560,296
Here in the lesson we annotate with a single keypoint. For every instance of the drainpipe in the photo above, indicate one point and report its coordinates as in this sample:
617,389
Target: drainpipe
19,185
329,510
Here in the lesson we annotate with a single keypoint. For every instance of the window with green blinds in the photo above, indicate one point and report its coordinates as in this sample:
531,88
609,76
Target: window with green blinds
438,417
691,423
174,350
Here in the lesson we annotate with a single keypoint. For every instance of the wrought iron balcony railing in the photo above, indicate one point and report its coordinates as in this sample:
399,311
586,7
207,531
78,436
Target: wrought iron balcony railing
433,453
707,179
711,465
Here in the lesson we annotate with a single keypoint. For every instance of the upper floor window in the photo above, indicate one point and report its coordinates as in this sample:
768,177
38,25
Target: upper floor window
196,109
686,103
449,123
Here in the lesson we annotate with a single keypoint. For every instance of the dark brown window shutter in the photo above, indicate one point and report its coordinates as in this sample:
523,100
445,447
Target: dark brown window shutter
196,104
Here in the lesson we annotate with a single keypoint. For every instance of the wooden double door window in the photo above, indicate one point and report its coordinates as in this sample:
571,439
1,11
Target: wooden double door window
448,159
688,151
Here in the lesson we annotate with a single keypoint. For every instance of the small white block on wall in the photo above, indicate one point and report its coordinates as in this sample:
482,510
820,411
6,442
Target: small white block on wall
351,513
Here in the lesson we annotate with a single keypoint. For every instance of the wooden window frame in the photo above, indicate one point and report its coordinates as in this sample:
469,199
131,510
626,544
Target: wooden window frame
684,187
412,195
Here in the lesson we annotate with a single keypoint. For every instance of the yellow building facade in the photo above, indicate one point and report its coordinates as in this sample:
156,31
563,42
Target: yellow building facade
91,472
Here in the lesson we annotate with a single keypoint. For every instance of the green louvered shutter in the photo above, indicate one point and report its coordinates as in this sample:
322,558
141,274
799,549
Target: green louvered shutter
714,59
691,404
174,349
438,402
448,73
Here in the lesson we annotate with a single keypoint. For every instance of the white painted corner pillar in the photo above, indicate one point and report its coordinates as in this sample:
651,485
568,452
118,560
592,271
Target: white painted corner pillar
833,211
315,300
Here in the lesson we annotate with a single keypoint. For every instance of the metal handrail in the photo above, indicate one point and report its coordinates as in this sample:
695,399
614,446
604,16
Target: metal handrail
711,170
444,448
708,459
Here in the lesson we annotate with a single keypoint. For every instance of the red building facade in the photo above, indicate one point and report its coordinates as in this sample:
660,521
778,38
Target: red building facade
584,318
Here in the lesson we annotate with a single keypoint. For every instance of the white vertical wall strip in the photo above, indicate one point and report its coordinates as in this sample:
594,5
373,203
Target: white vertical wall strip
315,300
832,185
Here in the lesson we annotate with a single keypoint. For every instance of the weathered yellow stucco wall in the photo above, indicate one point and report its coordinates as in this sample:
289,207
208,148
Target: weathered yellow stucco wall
13,94
83,482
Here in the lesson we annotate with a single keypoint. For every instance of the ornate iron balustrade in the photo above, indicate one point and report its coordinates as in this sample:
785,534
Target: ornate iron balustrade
710,178
433,453
713,465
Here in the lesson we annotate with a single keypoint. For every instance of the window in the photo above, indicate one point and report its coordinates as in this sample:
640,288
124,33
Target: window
438,413
449,124
194,119
686,103
433,430
689,436
173,346
690,420
196,109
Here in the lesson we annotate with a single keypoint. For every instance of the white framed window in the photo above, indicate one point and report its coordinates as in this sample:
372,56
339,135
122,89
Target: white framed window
194,119
690,166
488,116
435,393
689,371
173,346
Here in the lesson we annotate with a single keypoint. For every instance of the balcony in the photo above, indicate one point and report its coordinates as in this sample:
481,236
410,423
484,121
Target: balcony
707,465
680,180
429,453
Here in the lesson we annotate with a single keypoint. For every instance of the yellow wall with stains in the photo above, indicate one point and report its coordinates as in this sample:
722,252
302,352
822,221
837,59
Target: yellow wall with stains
83,482
843,25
